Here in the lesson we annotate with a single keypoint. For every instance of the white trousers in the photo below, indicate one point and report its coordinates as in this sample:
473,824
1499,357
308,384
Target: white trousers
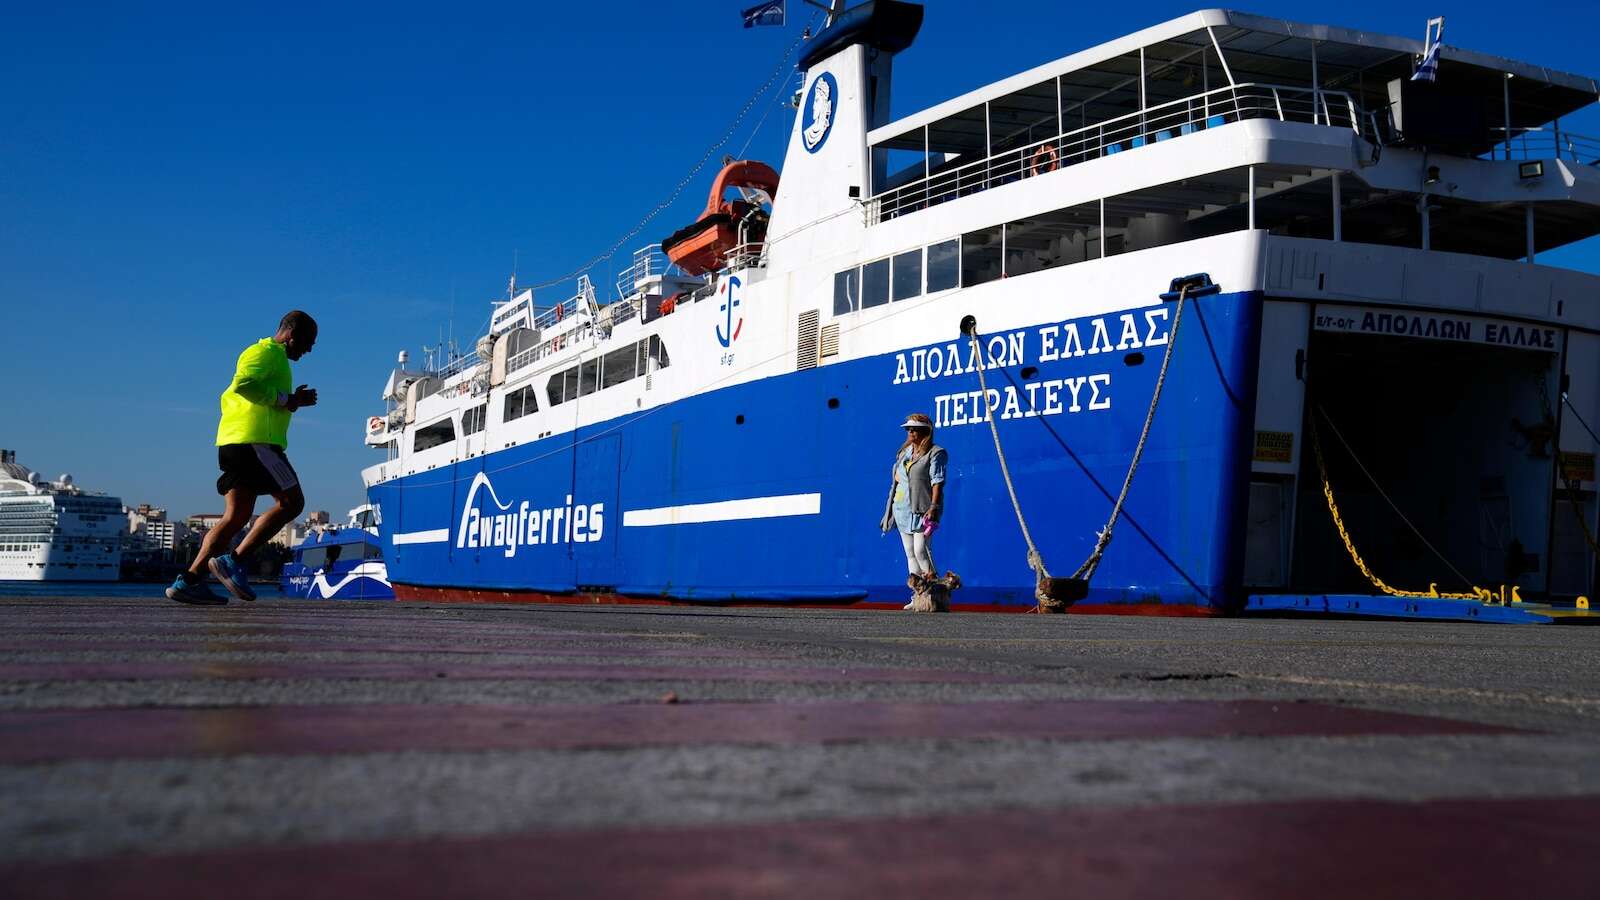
919,552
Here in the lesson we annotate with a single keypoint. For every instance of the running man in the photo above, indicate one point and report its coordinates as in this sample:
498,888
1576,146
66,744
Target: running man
251,439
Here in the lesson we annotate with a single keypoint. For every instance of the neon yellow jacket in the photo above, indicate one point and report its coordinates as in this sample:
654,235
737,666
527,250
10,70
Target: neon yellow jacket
251,413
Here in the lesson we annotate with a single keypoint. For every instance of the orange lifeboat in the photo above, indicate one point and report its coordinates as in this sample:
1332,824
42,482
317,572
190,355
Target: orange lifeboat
703,247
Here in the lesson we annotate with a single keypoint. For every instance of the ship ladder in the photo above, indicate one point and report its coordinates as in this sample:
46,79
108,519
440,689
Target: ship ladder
1482,594
1054,595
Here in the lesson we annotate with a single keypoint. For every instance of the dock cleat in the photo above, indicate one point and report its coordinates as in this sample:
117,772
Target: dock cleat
233,576
195,593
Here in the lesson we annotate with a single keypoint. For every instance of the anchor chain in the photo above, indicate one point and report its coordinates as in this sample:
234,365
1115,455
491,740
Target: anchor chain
1433,592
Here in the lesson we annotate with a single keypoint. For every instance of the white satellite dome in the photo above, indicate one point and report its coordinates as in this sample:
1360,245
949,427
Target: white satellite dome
65,479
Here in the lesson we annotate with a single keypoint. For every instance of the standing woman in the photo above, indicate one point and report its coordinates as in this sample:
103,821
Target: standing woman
916,497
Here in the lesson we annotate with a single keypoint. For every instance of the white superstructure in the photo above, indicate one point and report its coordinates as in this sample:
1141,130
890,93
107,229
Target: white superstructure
54,530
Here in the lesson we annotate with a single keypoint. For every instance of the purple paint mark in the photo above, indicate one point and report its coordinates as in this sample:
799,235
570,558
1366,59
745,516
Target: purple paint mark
562,647
232,671
45,735
1310,850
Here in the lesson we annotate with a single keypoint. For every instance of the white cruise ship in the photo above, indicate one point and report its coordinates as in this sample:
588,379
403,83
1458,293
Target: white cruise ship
55,530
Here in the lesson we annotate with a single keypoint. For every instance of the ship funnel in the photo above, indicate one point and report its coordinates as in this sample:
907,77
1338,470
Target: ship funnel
827,170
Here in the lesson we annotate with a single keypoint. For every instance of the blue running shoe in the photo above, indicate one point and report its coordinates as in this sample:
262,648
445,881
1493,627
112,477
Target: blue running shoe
193,592
232,575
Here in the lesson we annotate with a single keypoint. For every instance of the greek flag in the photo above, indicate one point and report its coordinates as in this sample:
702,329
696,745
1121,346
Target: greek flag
769,13
1429,69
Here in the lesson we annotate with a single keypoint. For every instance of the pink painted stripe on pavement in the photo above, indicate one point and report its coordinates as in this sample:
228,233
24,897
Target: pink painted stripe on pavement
29,736
232,671
503,648
1308,850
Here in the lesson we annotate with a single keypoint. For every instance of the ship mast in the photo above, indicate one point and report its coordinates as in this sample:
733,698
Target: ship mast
834,8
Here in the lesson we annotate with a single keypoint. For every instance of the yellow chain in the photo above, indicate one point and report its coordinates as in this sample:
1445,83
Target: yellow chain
1478,593
1577,506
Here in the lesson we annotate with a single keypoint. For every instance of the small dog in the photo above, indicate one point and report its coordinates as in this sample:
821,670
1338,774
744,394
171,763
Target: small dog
930,594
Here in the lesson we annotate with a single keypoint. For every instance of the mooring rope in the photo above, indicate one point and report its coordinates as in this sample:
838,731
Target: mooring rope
1041,593
1035,559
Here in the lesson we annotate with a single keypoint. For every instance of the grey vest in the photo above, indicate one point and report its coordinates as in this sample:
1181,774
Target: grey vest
918,482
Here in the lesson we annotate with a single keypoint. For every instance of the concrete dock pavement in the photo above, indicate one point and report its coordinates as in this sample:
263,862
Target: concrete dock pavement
288,748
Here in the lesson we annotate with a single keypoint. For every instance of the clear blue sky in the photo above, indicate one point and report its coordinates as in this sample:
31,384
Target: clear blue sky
172,179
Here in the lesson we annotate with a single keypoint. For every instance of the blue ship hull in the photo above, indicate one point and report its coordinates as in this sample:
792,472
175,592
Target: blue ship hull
618,508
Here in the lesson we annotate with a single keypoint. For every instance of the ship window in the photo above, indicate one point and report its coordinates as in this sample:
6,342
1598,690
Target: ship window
472,419
980,256
430,436
563,386
907,279
588,377
1052,239
314,558
846,295
622,364
520,402
658,352
944,266
619,365
875,283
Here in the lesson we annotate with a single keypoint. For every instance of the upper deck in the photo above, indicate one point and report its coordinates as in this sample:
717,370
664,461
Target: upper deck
1215,68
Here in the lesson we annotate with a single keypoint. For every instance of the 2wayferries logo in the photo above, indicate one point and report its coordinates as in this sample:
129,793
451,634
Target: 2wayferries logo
504,528
817,117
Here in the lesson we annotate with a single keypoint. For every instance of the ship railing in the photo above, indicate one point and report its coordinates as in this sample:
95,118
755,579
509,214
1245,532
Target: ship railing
1166,121
549,347
752,255
647,261
457,365
1546,143
554,314
528,357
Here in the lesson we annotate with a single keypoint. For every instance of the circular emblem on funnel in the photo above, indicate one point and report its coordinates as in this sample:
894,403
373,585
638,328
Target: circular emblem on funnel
816,119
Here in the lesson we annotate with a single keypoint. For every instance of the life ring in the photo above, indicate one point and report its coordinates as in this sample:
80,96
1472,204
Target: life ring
375,425
668,305
1045,160
561,310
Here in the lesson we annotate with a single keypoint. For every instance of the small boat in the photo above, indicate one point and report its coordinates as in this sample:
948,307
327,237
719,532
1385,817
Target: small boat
340,563
726,224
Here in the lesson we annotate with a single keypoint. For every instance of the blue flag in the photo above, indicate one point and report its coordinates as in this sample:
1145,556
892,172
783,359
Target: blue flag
769,13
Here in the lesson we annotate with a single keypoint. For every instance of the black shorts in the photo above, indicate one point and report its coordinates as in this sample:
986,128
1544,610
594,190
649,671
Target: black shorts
258,468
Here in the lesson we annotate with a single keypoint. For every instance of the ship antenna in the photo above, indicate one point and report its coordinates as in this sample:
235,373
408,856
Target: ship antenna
834,9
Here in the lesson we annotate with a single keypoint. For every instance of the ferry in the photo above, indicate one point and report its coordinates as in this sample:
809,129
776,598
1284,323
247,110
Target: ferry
1229,312
55,530
339,563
